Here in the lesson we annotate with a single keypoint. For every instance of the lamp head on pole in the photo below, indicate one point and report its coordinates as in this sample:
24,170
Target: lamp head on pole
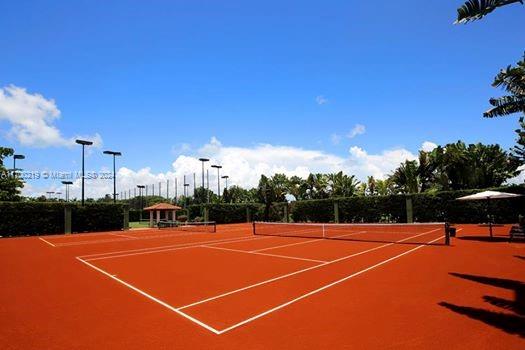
84,142
19,156
112,153
216,166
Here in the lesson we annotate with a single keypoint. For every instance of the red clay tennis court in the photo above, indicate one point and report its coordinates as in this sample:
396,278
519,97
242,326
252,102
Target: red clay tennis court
367,286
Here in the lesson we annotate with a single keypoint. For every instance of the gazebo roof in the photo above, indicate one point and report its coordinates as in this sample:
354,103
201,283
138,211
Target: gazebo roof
163,206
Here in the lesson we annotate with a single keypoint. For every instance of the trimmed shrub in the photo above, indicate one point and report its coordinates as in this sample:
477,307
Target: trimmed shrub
97,217
38,218
316,210
31,218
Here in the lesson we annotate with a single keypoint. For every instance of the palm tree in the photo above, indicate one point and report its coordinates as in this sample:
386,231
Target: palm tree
477,9
518,151
512,80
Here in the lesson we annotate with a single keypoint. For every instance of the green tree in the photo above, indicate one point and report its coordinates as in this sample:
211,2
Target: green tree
512,80
10,183
477,9
405,178
518,151
236,194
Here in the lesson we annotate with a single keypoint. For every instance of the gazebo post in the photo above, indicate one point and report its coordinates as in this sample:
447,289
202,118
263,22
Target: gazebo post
151,218
174,216
158,215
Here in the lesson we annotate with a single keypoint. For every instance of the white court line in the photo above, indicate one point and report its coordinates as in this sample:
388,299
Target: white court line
187,246
116,234
215,331
43,240
169,246
272,255
323,287
286,245
166,305
298,272
305,242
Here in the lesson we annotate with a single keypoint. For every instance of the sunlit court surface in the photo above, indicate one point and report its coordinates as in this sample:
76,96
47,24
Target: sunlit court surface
236,289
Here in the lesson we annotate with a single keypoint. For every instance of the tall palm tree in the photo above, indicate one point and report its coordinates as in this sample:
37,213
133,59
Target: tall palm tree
512,80
477,9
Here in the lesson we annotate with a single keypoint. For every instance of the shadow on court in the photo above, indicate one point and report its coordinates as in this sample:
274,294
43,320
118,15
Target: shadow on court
512,320
485,238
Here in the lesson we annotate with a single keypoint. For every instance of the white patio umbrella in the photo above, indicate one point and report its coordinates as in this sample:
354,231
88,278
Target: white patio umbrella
488,195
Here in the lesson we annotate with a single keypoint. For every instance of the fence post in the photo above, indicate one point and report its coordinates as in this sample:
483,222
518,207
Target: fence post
67,219
125,224
206,214
410,210
336,212
286,212
248,216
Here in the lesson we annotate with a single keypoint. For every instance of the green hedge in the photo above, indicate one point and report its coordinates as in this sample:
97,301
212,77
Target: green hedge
442,206
39,218
31,218
320,210
97,217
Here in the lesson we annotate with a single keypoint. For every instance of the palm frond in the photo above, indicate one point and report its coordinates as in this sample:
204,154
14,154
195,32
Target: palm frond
512,79
477,9
505,105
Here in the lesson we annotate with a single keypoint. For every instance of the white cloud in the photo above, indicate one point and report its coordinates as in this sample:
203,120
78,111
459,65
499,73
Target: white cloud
358,129
520,178
335,138
32,119
428,146
245,165
321,100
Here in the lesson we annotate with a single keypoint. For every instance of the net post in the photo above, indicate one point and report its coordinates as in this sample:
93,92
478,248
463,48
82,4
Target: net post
324,233
447,233
253,228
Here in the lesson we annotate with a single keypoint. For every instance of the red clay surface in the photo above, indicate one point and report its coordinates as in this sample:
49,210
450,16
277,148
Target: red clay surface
230,289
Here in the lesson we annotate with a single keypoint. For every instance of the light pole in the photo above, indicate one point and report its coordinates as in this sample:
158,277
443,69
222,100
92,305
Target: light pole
226,177
83,143
15,157
218,167
185,191
114,154
49,193
141,187
58,195
203,160
67,183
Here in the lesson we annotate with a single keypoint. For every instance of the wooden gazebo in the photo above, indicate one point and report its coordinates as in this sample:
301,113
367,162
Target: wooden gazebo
161,210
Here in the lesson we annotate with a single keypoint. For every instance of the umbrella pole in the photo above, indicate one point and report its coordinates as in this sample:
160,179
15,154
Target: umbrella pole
489,216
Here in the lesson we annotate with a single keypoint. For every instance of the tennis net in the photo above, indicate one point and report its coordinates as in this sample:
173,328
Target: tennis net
192,226
415,233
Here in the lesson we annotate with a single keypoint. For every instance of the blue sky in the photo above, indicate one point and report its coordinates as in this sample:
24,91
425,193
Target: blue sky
159,79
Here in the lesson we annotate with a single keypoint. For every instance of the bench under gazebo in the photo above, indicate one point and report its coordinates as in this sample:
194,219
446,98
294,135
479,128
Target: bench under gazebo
161,211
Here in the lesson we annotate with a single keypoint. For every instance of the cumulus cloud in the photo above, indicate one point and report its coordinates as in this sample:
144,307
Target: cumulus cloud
244,165
428,146
321,100
32,119
358,129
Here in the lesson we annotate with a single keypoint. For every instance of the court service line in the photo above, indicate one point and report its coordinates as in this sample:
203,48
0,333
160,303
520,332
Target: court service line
286,245
118,235
168,246
199,245
299,271
110,240
265,254
278,307
166,305
43,240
